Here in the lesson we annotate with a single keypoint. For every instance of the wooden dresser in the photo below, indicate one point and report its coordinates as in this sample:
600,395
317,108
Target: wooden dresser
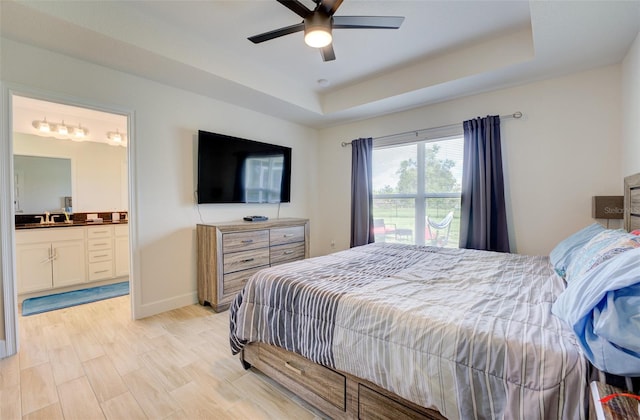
229,253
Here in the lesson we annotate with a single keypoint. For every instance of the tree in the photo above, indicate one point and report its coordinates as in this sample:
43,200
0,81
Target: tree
387,189
438,176
407,177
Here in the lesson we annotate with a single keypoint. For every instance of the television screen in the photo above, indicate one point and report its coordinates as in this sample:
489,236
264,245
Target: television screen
235,170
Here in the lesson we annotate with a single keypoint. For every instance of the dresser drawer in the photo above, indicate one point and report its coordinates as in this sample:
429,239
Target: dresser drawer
286,253
100,270
100,232
322,381
98,244
242,241
373,405
245,260
234,282
100,255
286,235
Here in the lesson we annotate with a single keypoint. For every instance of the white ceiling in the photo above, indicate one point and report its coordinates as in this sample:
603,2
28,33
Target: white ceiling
444,49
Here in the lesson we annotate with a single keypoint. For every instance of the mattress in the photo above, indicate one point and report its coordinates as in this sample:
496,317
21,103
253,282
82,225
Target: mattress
468,333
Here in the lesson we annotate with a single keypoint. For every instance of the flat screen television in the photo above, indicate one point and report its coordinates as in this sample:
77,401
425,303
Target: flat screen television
235,170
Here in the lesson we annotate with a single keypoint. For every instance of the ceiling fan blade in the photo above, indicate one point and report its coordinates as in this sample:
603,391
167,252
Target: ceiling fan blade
330,6
296,7
276,33
327,53
368,22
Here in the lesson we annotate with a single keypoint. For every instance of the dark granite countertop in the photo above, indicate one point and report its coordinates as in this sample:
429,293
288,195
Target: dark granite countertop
22,226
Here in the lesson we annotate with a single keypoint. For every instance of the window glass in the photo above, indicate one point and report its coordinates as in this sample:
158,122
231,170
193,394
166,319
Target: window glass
394,169
443,165
417,192
394,219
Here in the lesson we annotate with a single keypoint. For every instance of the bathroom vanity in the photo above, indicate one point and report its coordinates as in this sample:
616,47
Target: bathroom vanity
60,255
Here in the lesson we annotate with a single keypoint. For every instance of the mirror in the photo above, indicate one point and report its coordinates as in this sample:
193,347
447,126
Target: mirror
41,183
97,180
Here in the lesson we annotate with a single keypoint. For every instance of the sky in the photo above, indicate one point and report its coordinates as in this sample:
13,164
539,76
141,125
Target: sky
386,161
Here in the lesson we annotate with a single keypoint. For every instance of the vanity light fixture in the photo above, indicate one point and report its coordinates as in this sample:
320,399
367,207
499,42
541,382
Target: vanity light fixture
80,132
77,133
115,137
42,125
62,129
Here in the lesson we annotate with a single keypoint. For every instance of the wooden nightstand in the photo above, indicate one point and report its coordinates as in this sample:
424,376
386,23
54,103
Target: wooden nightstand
618,408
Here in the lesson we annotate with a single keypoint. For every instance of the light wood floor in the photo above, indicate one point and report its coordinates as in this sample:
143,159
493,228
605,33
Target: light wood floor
94,362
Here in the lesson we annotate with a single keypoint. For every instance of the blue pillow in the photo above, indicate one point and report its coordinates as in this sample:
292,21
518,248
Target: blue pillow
603,309
563,252
600,248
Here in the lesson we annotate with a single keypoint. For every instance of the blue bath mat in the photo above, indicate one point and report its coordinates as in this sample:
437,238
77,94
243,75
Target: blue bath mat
48,303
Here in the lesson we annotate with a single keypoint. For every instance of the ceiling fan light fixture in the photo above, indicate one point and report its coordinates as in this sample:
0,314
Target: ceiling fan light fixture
317,31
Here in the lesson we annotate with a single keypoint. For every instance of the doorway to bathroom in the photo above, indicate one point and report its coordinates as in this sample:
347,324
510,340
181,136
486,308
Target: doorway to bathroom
71,198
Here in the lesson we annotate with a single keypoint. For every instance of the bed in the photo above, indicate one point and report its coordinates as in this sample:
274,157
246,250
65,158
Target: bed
391,330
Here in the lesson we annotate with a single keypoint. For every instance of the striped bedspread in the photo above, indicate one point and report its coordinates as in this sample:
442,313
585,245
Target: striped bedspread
468,333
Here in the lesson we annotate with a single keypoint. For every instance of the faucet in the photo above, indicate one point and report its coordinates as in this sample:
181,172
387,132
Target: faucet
53,218
46,217
41,219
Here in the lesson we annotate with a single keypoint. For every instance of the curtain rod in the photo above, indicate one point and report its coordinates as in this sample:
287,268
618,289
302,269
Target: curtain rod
516,115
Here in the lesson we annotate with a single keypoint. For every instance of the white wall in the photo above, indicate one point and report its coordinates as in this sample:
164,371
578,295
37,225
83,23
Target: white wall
565,150
96,170
166,123
631,110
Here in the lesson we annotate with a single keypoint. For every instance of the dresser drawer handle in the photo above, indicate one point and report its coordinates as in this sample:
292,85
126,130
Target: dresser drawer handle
288,235
103,244
100,256
293,368
247,260
247,241
101,271
288,252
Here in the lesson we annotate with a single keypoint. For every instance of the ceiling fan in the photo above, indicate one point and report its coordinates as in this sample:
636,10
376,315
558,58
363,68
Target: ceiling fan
319,23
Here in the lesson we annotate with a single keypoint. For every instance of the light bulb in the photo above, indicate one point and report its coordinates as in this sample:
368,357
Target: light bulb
318,38
43,126
79,132
62,129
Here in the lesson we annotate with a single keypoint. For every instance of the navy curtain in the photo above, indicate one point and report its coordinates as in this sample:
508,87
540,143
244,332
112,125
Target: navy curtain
483,219
361,192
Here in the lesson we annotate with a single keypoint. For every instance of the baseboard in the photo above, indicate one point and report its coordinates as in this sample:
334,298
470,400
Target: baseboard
154,308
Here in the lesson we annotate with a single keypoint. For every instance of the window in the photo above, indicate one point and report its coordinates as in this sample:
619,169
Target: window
415,188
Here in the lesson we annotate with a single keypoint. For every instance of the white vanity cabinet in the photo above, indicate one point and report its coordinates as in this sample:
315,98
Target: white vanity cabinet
55,257
100,252
121,250
50,258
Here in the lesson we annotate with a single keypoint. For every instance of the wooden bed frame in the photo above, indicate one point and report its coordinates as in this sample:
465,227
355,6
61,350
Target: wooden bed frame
335,393
632,202
344,396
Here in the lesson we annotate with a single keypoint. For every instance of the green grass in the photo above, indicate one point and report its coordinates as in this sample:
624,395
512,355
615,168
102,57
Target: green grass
401,214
